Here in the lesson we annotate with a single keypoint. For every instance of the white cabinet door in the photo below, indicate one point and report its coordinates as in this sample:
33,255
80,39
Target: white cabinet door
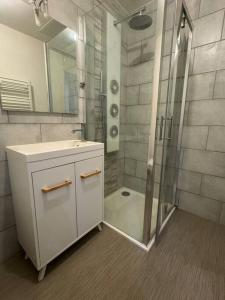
89,193
54,193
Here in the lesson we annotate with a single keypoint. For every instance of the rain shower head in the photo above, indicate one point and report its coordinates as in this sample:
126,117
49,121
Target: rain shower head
137,20
140,22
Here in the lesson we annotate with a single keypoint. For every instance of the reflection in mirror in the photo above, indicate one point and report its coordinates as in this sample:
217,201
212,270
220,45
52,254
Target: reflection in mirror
62,75
37,64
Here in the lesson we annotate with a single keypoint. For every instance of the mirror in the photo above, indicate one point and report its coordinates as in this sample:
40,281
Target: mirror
37,64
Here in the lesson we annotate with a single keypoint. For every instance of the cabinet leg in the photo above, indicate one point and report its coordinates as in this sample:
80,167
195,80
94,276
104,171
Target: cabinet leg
99,227
41,274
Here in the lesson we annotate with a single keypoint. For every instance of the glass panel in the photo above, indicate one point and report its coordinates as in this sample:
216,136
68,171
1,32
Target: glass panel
171,122
164,83
125,168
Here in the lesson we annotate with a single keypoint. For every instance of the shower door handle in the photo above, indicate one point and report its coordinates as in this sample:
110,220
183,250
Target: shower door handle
170,128
161,128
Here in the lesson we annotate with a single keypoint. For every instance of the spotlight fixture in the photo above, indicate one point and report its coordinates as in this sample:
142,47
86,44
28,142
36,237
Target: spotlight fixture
39,7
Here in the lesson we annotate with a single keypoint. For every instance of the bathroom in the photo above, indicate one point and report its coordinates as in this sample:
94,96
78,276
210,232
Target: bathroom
112,115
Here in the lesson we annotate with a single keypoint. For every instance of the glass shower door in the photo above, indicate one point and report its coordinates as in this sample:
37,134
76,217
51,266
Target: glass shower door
172,122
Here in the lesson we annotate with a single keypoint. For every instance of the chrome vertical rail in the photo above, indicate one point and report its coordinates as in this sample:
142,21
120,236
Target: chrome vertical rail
155,95
180,132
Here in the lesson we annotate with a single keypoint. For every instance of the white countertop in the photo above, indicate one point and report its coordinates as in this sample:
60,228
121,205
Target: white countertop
41,151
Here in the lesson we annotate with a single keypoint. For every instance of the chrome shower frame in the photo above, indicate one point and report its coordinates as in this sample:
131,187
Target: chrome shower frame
181,9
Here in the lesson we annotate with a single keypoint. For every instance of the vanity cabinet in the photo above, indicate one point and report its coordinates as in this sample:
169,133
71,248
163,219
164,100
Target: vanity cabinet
55,210
89,186
57,196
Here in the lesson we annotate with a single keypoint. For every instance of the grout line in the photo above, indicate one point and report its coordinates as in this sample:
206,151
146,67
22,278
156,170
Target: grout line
208,14
204,150
212,199
208,44
204,100
197,74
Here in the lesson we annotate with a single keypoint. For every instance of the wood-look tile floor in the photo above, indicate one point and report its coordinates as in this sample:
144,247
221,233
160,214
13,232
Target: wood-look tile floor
188,263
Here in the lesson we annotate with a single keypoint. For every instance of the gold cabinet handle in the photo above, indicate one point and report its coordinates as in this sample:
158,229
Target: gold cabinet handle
57,186
86,175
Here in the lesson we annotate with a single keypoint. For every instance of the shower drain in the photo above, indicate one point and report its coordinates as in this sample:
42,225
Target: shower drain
125,193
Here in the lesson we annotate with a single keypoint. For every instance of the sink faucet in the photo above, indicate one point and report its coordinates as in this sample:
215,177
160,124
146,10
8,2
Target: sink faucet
82,132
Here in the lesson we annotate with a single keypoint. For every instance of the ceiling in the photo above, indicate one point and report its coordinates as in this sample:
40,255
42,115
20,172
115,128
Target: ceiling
121,8
132,5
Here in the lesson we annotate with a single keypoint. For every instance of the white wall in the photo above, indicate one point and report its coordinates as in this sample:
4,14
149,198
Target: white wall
22,57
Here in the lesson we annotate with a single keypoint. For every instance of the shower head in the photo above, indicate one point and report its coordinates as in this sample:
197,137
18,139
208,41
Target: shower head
140,21
137,20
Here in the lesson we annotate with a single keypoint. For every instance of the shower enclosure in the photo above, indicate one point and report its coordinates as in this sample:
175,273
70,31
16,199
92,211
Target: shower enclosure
137,58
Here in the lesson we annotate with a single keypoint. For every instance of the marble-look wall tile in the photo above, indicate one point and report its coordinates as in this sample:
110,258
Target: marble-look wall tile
202,206
130,166
207,112
208,29
134,183
6,212
141,171
189,181
216,138
145,93
219,90
8,244
57,132
18,134
209,6
132,95
193,8
206,162
141,73
195,137
138,114
209,57
213,187
33,117
3,116
4,179
201,86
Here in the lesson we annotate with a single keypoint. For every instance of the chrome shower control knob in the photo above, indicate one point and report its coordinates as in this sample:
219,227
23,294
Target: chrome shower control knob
114,86
114,131
114,110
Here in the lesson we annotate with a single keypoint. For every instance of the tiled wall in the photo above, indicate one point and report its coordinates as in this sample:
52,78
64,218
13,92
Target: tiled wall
22,128
135,124
95,103
202,174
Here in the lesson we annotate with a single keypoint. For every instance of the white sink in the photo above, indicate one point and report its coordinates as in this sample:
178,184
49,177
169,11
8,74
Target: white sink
40,151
